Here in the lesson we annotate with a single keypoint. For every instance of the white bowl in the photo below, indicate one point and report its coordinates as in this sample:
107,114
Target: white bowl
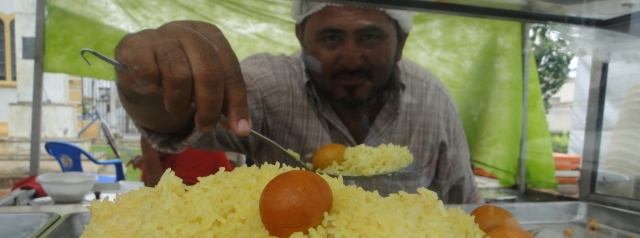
67,187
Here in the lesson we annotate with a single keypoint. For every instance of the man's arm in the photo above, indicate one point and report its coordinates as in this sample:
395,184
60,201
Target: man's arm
175,65
152,164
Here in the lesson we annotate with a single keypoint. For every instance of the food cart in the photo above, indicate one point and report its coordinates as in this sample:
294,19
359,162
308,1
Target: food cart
610,27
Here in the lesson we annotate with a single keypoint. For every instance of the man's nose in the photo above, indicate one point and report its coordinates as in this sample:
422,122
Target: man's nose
351,55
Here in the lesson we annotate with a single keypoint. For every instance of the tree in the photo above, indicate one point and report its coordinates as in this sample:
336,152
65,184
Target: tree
552,59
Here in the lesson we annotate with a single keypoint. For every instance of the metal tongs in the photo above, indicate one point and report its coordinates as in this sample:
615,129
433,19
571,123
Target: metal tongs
224,119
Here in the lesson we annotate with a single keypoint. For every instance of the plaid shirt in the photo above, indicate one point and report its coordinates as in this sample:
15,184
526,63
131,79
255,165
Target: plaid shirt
284,106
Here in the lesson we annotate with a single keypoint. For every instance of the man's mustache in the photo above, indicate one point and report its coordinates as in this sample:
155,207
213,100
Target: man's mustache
353,73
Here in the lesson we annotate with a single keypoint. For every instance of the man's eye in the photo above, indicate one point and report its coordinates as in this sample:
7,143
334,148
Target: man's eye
371,37
331,39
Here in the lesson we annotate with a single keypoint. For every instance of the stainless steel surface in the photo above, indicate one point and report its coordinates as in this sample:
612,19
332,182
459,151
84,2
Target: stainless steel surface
57,209
602,14
10,198
593,137
17,197
536,231
69,226
591,150
98,187
550,219
499,195
25,224
555,217
625,189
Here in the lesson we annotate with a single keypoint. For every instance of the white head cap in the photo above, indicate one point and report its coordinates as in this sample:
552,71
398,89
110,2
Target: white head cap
303,8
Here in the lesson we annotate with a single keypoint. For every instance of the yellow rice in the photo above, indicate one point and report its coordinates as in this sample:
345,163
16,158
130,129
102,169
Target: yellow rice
368,161
226,205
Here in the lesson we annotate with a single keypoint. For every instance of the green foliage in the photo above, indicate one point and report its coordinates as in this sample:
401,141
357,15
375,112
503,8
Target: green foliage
250,27
560,141
552,59
67,33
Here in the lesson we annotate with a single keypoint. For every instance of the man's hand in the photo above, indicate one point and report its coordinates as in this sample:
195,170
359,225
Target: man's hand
136,162
177,64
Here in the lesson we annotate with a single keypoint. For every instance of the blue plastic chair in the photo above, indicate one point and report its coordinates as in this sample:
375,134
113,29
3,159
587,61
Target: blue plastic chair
68,155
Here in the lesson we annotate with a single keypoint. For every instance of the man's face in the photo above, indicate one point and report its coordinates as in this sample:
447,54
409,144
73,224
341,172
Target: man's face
351,52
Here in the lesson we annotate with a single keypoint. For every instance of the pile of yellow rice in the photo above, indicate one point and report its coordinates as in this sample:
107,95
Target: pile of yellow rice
226,205
368,161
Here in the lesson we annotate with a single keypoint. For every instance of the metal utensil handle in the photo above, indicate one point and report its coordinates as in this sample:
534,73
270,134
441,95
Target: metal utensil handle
104,58
299,162
271,143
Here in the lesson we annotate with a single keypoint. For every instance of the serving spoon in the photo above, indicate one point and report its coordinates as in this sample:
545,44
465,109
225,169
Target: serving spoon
257,135
302,164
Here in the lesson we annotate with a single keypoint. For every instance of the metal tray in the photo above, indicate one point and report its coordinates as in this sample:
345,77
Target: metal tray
69,226
555,217
29,224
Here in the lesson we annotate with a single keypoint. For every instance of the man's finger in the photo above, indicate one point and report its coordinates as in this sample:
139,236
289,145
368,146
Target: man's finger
234,94
208,76
136,51
175,71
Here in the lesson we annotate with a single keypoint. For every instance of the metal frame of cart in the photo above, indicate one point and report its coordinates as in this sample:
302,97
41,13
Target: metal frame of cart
621,22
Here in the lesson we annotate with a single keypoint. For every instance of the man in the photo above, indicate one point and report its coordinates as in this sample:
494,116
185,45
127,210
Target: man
348,85
188,165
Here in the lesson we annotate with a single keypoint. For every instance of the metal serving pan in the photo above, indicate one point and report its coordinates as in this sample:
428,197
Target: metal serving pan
69,226
28,224
555,217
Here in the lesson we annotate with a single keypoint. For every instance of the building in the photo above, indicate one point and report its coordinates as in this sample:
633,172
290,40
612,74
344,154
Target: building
560,113
61,94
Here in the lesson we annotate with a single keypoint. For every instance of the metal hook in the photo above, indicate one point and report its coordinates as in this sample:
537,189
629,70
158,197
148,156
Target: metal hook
104,58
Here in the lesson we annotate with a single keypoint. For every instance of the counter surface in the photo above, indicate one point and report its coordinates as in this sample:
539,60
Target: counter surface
59,209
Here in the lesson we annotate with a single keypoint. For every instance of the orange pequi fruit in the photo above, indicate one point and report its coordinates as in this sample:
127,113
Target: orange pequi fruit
294,201
507,232
489,217
327,154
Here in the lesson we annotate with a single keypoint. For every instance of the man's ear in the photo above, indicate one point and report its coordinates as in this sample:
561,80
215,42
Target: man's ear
402,38
299,34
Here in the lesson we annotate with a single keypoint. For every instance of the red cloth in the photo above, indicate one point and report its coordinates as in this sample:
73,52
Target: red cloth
30,183
192,163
